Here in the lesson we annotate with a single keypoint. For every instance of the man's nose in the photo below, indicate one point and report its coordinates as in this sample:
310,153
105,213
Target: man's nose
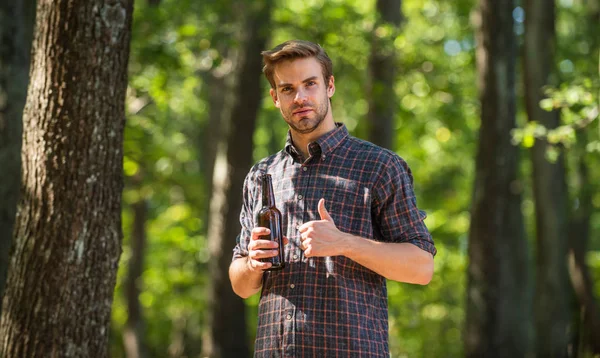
300,97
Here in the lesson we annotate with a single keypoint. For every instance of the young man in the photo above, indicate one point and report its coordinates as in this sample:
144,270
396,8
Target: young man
350,218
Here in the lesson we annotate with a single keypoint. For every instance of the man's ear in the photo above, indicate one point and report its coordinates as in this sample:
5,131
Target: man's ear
274,97
330,86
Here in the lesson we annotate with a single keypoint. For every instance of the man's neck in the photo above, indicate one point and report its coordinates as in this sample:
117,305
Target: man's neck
301,140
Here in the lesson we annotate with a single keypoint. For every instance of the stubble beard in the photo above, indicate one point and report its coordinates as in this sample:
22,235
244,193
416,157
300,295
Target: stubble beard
310,125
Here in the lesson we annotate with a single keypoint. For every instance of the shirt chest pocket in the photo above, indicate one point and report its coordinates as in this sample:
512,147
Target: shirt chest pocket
349,204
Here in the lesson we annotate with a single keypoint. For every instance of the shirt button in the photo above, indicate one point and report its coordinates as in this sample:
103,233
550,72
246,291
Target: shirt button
323,156
289,316
295,257
304,168
298,227
300,197
292,285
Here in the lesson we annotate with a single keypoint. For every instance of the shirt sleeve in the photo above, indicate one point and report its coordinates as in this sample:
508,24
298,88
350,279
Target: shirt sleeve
246,219
395,207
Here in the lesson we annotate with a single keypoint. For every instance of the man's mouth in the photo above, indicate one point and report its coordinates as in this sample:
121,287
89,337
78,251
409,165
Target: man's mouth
302,111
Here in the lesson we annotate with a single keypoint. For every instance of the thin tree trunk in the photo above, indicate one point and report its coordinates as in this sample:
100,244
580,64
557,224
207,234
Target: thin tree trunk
579,225
219,83
133,335
579,235
67,244
216,87
16,28
227,333
383,71
498,301
178,345
553,311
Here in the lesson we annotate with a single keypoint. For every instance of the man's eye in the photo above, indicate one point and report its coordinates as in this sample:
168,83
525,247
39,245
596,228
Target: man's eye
286,89
311,83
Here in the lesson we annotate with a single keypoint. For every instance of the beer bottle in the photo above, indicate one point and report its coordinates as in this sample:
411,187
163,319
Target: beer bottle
270,217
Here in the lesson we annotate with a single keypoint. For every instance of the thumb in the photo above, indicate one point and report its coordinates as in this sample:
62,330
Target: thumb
323,212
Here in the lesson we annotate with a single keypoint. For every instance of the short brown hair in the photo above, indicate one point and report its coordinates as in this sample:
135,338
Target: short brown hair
293,49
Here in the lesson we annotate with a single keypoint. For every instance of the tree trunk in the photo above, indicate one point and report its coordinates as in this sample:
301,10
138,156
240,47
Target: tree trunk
16,28
579,235
219,82
67,240
579,225
553,311
498,301
383,70
227,334
216,88
133,335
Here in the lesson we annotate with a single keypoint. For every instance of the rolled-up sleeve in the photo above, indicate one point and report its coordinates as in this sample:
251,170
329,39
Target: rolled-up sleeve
246,219
395,207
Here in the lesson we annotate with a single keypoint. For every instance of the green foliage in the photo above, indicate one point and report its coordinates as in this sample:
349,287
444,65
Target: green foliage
437,119
177,44
170,47
578,110
576,93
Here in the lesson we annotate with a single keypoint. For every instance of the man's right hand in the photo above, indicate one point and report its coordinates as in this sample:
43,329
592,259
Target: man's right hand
259,248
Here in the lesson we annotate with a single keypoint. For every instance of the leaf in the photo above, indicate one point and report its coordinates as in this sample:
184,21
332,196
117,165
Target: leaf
528,140
547,104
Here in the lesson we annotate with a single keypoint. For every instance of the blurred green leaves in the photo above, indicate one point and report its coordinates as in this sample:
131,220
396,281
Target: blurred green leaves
578,106
178,43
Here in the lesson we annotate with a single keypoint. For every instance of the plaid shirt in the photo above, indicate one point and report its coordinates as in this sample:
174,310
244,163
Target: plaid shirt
331,306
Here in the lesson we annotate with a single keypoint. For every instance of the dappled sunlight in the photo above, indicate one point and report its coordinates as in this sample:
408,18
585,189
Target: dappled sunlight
180,52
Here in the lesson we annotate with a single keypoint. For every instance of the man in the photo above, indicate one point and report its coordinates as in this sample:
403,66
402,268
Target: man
350,218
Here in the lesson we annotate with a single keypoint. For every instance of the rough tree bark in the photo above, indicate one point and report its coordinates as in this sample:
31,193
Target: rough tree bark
383,70
227,334
498,301
553,311
67,244
16,28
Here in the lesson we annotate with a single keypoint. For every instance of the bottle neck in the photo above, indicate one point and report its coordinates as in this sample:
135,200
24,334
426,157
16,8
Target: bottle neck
268,197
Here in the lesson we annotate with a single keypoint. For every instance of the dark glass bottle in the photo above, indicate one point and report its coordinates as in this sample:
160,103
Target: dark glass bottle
270,217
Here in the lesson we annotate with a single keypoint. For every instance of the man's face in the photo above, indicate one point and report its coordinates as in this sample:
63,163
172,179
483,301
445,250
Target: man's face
301,93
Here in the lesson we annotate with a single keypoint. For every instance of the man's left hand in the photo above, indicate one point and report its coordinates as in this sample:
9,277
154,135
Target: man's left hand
321,237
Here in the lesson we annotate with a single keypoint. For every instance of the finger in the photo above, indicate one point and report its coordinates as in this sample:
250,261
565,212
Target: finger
259,265
262,244
305,244
257,232
308,252
323,212
304,227
285,240
262,254
304,236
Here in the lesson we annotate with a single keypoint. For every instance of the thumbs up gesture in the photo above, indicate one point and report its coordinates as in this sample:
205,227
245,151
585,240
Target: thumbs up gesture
321,237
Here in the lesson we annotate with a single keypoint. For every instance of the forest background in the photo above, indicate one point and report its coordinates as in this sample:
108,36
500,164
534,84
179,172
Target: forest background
493,104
